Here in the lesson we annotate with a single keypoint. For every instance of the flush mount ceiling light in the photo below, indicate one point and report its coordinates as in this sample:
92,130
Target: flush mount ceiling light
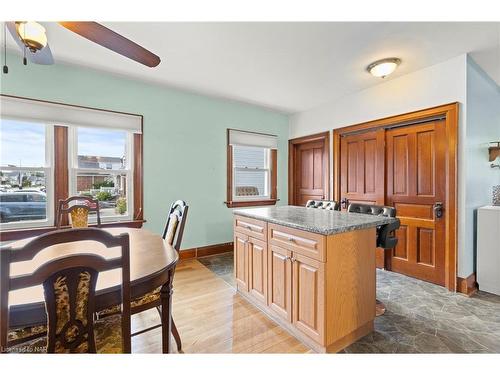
382,68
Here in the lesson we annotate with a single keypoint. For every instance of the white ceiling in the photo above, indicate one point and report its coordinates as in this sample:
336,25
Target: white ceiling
289,67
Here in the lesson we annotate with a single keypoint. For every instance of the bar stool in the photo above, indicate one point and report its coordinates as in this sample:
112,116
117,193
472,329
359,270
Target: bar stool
385,233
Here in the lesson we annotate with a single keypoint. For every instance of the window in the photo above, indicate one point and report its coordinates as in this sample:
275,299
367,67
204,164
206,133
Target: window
26,188
251,173
101,169
50,151
251,169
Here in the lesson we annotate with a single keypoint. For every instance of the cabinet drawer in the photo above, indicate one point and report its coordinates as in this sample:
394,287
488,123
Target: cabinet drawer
309,244
251,227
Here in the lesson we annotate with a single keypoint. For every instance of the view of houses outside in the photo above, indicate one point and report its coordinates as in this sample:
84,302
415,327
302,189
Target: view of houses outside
101,153
100,172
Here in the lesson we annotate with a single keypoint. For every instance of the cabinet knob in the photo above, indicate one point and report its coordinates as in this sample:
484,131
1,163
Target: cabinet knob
290,239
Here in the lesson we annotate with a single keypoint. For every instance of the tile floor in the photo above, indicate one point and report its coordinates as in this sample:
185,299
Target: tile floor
420,317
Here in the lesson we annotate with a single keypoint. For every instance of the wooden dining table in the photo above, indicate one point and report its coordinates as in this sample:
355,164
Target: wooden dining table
152,265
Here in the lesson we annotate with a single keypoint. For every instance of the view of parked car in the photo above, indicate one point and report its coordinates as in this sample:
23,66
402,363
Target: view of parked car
22,205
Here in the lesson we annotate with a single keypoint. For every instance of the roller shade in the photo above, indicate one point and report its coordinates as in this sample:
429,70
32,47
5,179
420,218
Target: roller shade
64,114
242,138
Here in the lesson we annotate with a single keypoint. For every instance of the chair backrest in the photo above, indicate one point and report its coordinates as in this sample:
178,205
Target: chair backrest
323,204
174,227
79,212
385,233
69,284
372,209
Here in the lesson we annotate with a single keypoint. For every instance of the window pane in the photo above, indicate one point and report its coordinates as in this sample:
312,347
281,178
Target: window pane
22,196
101,149
109,190
22,144
248,183
249,157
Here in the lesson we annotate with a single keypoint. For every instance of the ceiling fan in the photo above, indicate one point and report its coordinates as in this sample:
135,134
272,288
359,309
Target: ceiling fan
31,38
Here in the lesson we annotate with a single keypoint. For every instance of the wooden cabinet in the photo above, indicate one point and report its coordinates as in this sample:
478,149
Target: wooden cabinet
241,261
308,289
321,288
279,282
257,269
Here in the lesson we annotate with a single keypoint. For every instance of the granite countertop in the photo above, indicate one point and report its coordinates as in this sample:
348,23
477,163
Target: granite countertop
314,220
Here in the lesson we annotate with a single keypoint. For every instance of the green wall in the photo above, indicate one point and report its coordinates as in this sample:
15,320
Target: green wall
184,139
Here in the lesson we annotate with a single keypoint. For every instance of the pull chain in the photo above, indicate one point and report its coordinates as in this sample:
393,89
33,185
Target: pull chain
5,67
25,61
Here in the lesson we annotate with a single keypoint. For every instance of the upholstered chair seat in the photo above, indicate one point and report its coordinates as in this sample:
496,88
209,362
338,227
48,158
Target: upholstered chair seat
26,333
143,300
107,335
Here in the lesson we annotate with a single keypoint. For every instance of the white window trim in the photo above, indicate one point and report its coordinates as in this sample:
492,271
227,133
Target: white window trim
129,172
48,169
267,182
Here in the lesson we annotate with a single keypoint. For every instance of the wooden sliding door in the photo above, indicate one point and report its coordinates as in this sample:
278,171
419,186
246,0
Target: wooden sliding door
416,167
409,162
362,168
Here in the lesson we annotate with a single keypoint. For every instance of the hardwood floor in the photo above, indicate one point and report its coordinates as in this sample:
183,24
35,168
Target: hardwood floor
212,318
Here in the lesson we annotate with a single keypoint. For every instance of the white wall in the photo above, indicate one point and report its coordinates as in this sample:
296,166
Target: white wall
483,126
435,85
438,84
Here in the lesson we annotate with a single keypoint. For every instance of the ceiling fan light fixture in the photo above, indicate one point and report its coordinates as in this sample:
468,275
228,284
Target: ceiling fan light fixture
382,68
32,35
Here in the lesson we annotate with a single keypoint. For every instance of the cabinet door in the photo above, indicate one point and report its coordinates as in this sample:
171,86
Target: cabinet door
308,296
241,261
280,282
257,269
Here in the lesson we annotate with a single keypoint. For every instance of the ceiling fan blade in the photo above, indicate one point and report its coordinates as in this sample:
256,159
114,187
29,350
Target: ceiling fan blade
105,37
42,57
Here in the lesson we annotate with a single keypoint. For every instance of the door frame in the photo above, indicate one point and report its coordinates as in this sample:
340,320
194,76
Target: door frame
450,112
292,143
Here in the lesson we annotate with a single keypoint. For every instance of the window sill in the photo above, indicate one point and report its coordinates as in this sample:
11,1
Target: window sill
266,202
17,234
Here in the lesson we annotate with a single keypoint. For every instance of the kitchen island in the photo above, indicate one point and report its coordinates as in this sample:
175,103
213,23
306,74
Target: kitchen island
310,270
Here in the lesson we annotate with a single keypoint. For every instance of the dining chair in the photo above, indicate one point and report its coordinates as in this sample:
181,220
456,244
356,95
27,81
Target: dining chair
323,204
172,234
69,284
79,212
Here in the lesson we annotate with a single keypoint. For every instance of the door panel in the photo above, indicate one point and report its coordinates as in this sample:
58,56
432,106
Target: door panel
279,282
310,171
415,164
257,254
362,167
241,261
308,296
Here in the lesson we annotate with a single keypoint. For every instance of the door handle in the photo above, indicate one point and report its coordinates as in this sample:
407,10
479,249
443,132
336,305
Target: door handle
438,210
